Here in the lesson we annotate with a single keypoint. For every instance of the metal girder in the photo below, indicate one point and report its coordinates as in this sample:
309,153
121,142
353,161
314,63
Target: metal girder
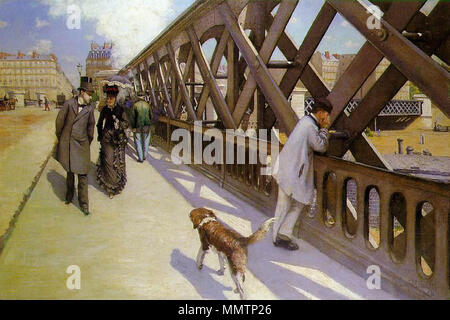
208,77
365,152
190,60
435,27
277,27
444,51
163,85
317,88
191,89
309,77
173,81
215,64
307,48
382,4
232,75
164,72
259,71
390,82
182,85
142,82
150,86
367,59
410,60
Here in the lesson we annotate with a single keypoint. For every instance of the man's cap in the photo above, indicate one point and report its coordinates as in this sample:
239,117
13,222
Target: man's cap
322,103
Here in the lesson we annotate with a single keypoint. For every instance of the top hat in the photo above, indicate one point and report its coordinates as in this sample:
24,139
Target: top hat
322,103
86,84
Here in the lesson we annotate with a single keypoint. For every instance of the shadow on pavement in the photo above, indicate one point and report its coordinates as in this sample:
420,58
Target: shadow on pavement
201,280
305,274
58,183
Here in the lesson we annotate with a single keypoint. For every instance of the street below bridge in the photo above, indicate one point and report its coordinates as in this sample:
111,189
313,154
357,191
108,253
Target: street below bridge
141,244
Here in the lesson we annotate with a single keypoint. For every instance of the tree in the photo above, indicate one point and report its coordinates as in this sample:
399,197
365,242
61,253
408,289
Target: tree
95,97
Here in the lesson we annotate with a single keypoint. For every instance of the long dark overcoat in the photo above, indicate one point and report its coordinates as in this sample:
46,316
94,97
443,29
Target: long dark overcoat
75,133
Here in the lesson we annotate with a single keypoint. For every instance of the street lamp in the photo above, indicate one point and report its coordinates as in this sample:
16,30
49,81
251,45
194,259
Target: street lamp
80,69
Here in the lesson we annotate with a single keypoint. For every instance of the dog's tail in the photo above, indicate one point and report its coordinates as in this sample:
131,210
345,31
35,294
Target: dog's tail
261,232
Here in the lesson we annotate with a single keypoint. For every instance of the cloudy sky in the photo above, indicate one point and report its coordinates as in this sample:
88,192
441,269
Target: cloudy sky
47,27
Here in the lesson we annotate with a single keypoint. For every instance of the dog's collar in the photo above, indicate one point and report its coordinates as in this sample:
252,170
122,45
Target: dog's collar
205,221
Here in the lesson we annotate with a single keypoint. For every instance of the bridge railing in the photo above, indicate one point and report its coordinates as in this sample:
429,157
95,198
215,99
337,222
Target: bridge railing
395,224
244,180
398,223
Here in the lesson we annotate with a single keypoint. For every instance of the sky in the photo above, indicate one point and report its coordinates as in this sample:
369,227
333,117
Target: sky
42,25
47,26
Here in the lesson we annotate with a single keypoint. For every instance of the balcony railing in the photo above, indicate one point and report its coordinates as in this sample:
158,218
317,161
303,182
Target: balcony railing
393,108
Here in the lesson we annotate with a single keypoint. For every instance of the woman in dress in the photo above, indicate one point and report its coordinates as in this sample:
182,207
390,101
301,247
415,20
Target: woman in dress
111,126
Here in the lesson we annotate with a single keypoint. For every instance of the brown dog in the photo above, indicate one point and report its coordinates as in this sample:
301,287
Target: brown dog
228,243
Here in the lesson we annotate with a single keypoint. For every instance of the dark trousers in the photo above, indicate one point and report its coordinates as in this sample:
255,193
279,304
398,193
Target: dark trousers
83,198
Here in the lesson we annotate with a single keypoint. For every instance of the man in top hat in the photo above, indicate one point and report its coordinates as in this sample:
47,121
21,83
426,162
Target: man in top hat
294,172
75,125
140,121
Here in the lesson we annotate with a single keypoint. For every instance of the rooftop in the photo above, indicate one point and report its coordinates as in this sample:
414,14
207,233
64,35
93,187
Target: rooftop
22,56
428,167
100,52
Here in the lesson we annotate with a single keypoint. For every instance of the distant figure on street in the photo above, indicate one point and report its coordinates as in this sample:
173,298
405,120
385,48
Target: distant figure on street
111,126
75,126
47,107
39,103
294,172
140,121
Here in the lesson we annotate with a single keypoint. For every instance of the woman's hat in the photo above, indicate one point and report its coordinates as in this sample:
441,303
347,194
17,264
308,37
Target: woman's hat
111,89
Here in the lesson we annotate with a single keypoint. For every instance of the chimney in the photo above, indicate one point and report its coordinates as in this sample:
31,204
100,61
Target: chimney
409,151
20,55
35,55
400,146
327,55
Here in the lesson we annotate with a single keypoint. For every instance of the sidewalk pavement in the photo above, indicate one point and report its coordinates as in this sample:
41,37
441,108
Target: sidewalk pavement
141,244
23,157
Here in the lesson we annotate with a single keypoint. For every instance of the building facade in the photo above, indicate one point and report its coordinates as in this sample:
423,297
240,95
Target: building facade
331,67
327,66
98,61
32,77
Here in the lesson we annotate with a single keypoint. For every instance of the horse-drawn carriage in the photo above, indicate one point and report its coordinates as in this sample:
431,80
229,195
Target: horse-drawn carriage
8,104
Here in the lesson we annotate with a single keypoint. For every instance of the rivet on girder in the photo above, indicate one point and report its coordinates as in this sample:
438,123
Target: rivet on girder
381,33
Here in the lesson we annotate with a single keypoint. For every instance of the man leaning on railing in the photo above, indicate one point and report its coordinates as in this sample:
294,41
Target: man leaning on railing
294,171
